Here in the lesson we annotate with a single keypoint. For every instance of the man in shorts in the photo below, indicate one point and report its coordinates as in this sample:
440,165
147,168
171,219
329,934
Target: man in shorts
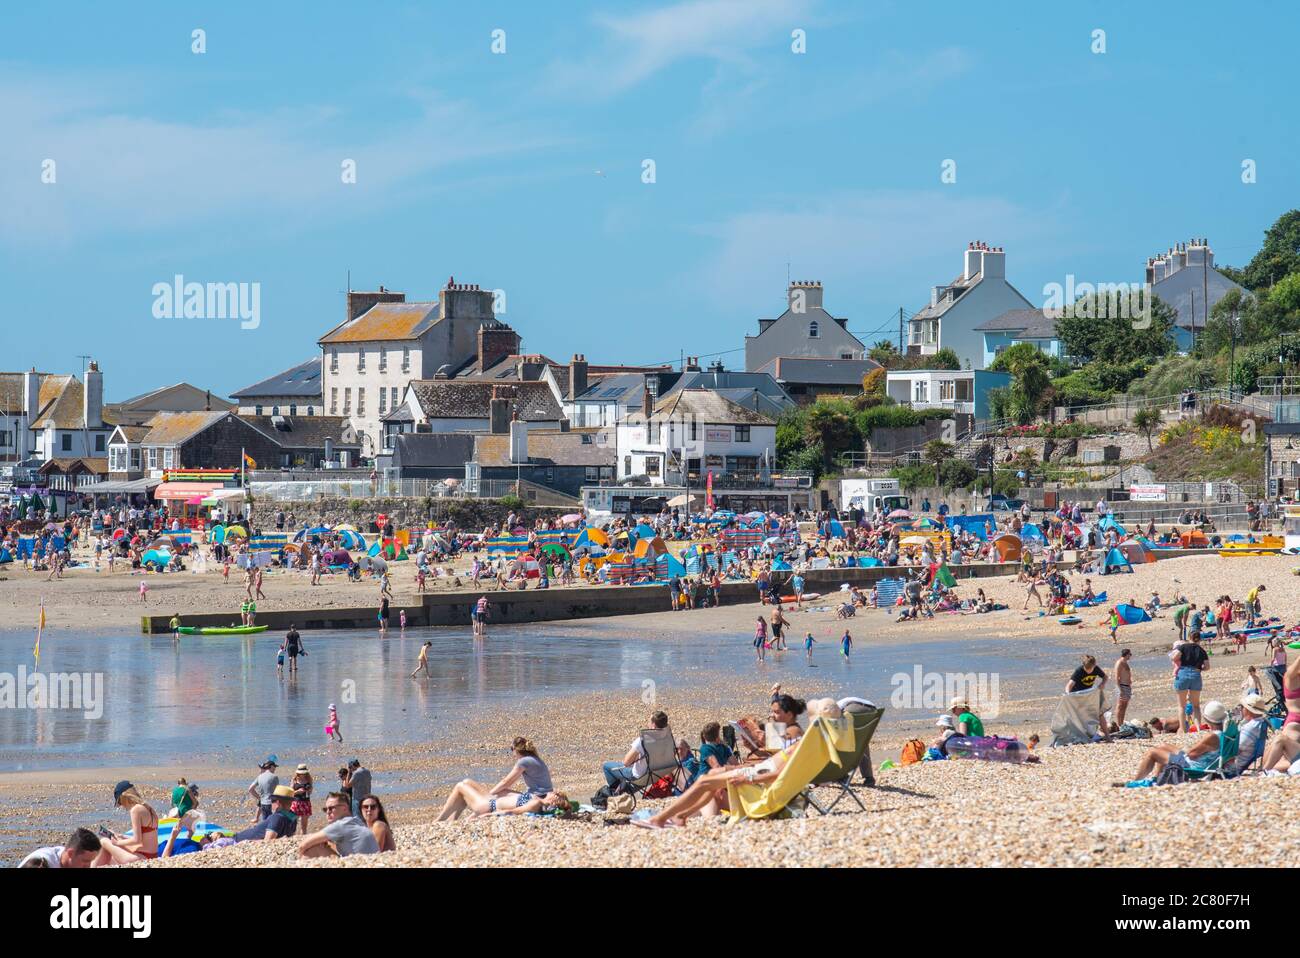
293,647
1124,680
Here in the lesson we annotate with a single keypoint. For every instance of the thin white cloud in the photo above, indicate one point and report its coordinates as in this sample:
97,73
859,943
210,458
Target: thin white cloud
636,47
121,169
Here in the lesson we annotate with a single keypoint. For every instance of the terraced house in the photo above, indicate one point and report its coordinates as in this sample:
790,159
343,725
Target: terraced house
368,360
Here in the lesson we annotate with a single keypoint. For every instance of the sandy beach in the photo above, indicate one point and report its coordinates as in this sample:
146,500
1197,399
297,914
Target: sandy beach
1061,812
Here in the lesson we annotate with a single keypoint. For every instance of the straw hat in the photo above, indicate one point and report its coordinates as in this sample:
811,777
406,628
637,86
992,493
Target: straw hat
958,702
1214,712
1255,703
283,791
302,768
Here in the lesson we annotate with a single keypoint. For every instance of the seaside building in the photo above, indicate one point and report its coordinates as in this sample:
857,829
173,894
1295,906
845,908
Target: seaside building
691,433
1184,277
805,330
385,343
1034,326
807,380
294,392
979,293
963,391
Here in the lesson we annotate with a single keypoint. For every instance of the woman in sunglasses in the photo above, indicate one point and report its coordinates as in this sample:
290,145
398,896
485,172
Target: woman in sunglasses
372,813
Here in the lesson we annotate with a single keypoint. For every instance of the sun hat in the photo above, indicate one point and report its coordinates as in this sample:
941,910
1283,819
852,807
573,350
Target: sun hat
1255,703
946,721
958,702
1214,712
302,768
282,791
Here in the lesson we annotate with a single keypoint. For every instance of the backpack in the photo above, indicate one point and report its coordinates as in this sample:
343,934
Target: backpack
913,752
1172,774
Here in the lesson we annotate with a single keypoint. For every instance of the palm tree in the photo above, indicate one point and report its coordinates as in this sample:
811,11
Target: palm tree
1147,420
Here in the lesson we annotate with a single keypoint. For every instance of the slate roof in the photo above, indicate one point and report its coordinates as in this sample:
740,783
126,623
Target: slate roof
470,398
437,450
1025,323
300,380
837,372
304,432
548,447
707,406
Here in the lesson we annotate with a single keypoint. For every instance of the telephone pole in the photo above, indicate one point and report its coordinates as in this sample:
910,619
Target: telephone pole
900,330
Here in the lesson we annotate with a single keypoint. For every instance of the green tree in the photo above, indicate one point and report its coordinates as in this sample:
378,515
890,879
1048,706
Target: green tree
830,422
1285,294
938,452
1146,421
1030,378
1122,328
1278,257
884,352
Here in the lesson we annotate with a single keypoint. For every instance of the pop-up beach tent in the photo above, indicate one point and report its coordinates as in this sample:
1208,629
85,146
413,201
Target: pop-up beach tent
1194,539
1030,532
1131,614
1108,522
1135,552
1075,720
1008,547
974,525
943,575
1116,561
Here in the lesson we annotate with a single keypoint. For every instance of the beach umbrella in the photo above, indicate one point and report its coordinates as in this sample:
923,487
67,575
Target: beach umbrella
346,527
556,550
899,514
571,517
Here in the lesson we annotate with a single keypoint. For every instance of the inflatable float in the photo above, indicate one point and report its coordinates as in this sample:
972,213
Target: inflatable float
806,597
1069,620
219,630
201,829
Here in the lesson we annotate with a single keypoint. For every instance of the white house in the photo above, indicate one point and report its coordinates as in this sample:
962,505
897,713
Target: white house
696,431
385,343
956,310
960,390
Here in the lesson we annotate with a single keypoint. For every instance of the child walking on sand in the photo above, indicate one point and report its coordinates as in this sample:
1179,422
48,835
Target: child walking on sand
332,728
846,643
144,591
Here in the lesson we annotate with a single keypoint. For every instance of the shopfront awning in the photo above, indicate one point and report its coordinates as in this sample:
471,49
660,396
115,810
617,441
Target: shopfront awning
184,491
119,487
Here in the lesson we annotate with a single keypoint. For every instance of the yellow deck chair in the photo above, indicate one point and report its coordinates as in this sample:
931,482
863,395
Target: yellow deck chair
820,746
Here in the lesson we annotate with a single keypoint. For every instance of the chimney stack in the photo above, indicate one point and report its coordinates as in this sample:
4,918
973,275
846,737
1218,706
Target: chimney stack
811,290
518,442
496,341
31,395
360,302
577,375
972,261
92,398
500,410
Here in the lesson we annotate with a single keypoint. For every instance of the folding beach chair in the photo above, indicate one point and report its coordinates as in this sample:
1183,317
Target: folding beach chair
823,743
838,774
1229,742
660,750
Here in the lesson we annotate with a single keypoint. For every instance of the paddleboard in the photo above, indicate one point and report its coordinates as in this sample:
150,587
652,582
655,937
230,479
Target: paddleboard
212,630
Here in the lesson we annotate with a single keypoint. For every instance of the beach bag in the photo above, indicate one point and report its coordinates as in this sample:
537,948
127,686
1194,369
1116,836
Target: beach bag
662,788
620,804
1172,774
913,752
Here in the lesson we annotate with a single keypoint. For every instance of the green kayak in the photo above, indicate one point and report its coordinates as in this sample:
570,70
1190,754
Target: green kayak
230,630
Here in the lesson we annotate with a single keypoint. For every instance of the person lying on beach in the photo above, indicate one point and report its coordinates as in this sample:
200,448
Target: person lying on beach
708,796
281,823
344,835
484,800
1198,757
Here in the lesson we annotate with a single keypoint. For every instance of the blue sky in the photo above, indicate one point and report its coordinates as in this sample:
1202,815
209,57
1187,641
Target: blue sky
225,166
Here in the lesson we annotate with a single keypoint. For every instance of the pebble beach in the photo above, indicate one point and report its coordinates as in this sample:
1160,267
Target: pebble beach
1061,812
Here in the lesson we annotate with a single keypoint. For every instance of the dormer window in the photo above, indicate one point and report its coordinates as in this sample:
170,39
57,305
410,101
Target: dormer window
813,331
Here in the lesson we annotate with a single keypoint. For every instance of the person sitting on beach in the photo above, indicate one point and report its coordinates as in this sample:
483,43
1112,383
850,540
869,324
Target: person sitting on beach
1198,757
1252,734
967,722
484,800
344,835
115,850
947,726
708,796
79,851
372,813
281,823
634,766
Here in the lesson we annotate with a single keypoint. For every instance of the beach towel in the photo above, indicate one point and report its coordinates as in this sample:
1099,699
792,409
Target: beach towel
1075,719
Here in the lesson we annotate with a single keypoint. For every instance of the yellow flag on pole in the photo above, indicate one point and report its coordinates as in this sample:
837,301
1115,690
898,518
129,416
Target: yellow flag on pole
40,627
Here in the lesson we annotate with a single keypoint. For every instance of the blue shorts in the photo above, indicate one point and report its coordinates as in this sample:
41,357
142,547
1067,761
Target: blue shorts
1187,680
